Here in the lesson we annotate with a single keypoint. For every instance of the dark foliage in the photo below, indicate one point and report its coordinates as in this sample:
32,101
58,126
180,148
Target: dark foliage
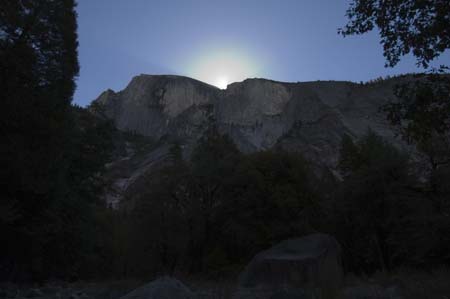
382,207
421,114
47,153
212,212
372,201
270,199
417,26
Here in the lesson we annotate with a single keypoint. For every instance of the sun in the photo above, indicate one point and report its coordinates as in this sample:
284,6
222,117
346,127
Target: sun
221,67
221,82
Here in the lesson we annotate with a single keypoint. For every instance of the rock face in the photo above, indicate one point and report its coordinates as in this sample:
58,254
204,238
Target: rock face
162,288
258,114
156,106
310,117
309,262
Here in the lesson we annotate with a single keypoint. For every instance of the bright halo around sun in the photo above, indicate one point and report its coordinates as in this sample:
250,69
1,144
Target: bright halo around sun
222,83
223,67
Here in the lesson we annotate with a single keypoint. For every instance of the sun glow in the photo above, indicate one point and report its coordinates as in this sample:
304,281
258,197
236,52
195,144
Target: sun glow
222,67
222,83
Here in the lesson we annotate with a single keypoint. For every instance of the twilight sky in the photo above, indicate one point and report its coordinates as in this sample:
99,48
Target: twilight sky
220,42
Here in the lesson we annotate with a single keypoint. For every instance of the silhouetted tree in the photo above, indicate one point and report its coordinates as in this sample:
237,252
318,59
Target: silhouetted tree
213,161
91,148
51,151
417,26
272,197
372,201
38,64
421,113
349,157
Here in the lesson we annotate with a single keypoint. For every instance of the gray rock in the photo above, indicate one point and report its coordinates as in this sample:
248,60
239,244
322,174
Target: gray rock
162,288
33,293
310,262
78,295
157,105
290,294
371,292
8,290
258,114
273,293
51,290
253,293
393,293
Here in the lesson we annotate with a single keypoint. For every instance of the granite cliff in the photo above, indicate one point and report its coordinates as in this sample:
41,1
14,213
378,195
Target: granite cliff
309,117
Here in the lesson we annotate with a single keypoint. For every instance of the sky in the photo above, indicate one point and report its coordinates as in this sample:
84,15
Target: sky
220,42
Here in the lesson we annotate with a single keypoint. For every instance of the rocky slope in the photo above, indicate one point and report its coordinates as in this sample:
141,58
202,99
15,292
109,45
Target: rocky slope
310,117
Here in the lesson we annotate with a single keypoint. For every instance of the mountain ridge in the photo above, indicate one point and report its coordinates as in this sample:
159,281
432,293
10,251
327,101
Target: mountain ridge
258,114
159,105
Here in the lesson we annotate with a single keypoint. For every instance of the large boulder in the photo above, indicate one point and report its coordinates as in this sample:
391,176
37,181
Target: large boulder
310,262
162,288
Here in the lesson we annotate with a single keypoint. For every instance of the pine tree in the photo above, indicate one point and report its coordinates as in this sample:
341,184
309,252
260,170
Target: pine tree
38,65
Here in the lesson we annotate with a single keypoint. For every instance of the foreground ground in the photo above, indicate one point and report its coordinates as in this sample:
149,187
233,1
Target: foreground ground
402,284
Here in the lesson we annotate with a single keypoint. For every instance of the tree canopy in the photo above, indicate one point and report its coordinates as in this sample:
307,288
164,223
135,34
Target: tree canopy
51,150
420,27
421,114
